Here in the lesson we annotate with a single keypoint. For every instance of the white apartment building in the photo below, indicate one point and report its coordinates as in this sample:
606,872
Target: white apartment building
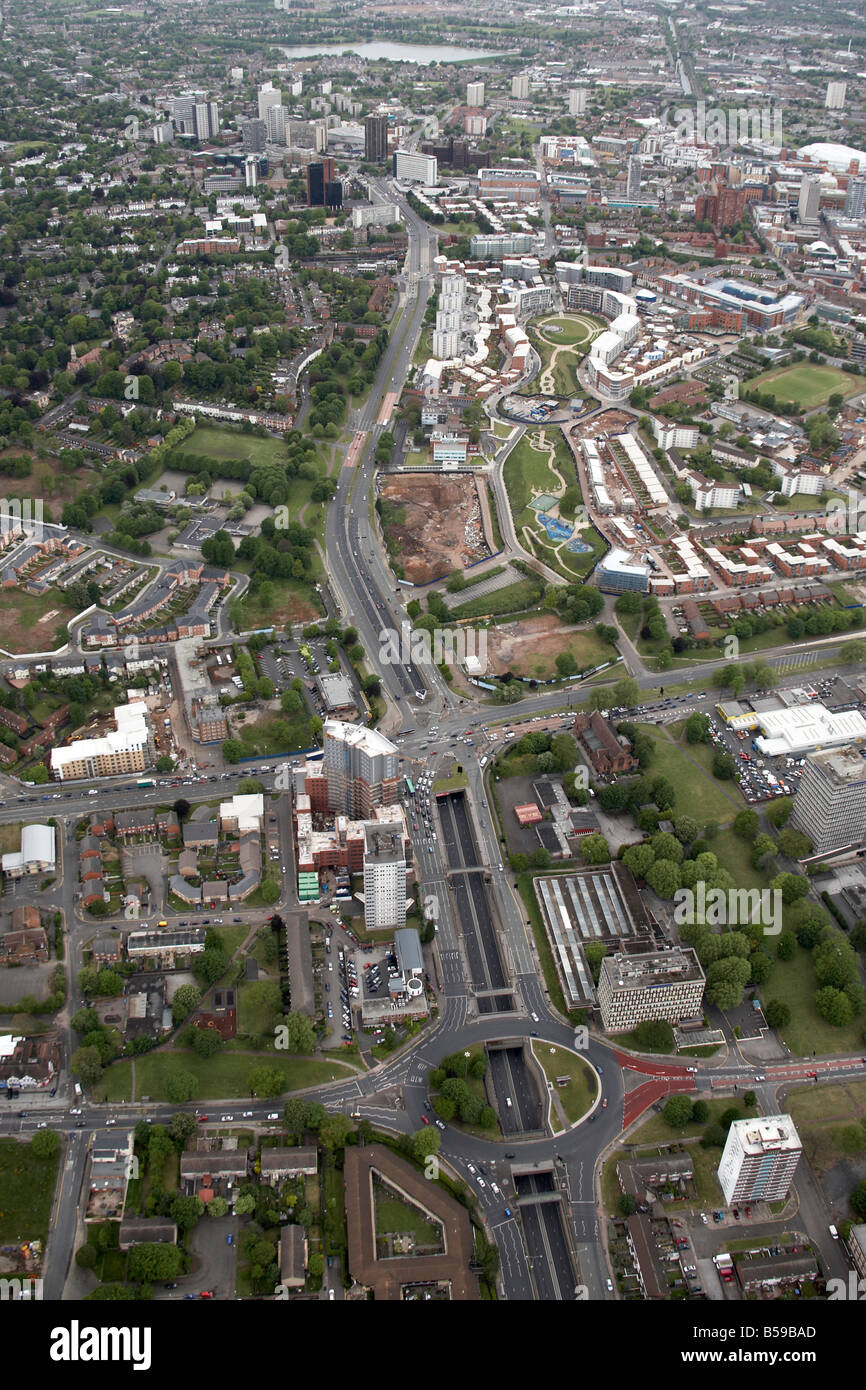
759,1159
836,93
520,86
670,435
384,877
475,94
577,101
706,493
127,748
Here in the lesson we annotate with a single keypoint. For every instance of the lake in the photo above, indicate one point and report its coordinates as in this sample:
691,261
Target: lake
393,52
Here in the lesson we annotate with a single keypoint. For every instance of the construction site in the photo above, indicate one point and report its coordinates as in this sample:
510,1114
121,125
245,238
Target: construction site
433,524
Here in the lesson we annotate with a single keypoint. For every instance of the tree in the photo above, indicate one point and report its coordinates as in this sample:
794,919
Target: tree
700,1112
186,1212
266,1081
627,1204
300,1033
777,1014
335,1130
45,1144
698,728
746,824
206,1042
232,750
86,1063
149,1261
794,844
211,964
786,946
594,849
677,1111
653,1035
184,1002
664,878
750,1099
858,1200
181,1086
792,886
86,1256
834,1006
270,890
425,1142
181,1126
218,1207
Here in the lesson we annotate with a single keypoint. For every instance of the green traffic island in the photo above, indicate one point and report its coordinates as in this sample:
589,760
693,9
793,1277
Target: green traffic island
459,1096
573,1085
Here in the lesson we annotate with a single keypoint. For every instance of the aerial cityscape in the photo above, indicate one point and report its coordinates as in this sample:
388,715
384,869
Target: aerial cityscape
433,656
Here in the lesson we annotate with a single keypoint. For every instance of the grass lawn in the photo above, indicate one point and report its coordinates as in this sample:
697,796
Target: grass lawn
219,1077
10,838
223,442
733,855
658,1131
577,1097
256,1016
698,793
513,598
585,648
275,733
24,626
396,1218
26,1192
284,601
807,1033
805,384
828,1118
572,329
450,784
526,474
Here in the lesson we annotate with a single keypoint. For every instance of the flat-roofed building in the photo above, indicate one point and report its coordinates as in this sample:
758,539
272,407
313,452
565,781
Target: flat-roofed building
759,1159
127,748
638,984
830,804
36,855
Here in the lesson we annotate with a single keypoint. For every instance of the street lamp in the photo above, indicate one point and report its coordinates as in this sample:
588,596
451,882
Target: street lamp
467,1055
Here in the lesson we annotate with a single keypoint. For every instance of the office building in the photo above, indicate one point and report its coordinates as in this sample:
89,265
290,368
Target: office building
269,96
759,1159
254,133
855,197
475,94
318,174
514,185
637,984
494,246
809,200
836,92
375,139
361,767
163,133
416,168
520,86
384,877
830,804
632,191
618,572
127,748
333,194
251,171
577,102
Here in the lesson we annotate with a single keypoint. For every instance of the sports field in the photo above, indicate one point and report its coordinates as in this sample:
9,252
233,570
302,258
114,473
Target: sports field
805,384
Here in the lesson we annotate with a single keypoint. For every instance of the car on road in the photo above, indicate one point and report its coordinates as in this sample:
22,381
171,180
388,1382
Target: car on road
43,1124
609,1284
274,1115
604,1103
440,1124
424,1120
76,1110
206,1293
169,1286
226,1117
230,1240
247,1115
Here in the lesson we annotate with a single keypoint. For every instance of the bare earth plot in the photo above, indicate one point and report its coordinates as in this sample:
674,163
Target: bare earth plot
439,529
